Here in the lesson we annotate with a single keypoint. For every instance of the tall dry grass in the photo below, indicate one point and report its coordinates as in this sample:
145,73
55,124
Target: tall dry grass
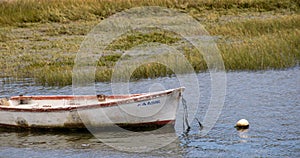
20,11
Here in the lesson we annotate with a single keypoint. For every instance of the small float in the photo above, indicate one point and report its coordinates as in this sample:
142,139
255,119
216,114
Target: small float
242,124
67,111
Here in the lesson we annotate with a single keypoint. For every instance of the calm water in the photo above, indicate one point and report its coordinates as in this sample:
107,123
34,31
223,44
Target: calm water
269,100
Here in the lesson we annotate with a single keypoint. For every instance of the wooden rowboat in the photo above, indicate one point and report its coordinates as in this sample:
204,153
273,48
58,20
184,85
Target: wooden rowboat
146,109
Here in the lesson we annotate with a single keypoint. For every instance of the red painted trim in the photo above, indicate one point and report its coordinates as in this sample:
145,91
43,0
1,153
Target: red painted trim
136,98
153,123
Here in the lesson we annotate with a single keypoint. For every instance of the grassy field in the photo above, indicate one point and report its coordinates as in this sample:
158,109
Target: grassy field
40,38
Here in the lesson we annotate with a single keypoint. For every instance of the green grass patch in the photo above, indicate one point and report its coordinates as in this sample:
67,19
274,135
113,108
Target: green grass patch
136,38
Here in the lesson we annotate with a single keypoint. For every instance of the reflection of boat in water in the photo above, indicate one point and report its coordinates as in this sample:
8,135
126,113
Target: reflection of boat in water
135,110
46,139
57,141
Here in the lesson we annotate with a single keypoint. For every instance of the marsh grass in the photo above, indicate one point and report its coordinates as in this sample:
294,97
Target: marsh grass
39,39
259,44
23,11
256,27
276,51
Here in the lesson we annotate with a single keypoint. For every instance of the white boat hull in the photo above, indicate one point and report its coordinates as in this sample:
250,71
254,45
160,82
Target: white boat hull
157,108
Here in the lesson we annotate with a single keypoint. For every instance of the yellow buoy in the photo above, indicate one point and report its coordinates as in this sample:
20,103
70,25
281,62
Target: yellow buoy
242,124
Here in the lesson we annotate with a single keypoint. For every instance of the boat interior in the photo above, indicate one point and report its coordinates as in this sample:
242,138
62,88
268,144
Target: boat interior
57,101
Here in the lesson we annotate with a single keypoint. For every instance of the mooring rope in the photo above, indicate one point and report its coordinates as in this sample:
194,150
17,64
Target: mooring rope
199,123
185,116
